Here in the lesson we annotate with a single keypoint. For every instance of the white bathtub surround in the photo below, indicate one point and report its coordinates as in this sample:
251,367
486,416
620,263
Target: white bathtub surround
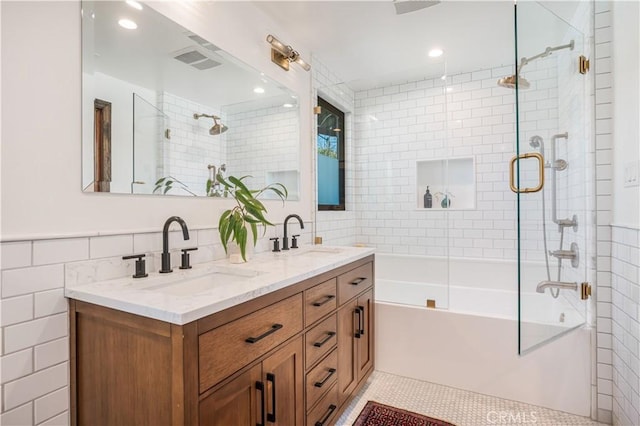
472,342
480,354
185,296
460,407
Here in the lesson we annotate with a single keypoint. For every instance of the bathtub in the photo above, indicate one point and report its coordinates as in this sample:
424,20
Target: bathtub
470,340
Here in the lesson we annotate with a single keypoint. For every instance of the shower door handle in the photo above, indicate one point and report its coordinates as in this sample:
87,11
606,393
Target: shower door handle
540,159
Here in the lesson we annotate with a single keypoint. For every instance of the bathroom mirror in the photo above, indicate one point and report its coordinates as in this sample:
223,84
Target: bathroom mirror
165,110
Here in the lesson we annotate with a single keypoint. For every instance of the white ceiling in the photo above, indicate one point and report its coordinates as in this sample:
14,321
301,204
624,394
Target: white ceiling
145,57
368,44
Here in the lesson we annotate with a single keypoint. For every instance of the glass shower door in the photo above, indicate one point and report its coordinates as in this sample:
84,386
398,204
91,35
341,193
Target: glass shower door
550,175
149,136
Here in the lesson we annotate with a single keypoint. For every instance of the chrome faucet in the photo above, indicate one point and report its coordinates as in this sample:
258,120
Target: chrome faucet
285,241
166,257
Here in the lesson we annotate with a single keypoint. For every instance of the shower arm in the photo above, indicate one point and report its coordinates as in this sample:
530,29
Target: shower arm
548,51
215,117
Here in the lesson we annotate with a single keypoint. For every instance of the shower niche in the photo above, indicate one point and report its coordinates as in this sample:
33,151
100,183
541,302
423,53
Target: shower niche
451,184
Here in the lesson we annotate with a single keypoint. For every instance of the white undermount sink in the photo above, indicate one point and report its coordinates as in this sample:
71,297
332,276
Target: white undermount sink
202,283
318,251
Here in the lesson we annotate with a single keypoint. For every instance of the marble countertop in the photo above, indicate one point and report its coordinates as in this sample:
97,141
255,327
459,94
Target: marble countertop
187,295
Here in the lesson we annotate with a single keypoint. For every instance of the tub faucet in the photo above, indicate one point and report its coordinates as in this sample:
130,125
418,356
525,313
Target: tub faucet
166,257
285,241
542,285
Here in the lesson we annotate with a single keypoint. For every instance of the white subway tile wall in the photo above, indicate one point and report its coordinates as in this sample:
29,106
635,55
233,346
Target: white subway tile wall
261,143
604,190
338,227
624,310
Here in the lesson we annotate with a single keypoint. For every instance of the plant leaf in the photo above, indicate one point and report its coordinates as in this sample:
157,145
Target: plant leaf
254,231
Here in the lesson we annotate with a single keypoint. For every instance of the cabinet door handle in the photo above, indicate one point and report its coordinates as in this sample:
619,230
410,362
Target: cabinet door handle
361,318
260,387
323,381
357,333
271,417
327,298
330,334
273,329
358,281
330,411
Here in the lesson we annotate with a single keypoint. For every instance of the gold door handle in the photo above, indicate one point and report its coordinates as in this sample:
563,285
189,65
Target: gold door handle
540,159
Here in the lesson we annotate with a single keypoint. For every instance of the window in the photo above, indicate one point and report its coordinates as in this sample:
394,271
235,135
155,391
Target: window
331,130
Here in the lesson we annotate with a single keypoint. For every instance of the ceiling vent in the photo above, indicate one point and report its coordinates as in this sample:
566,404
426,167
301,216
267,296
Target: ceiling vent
194,57
202,42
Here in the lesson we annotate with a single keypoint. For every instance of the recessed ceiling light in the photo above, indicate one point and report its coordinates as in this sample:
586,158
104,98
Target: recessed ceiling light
134,4
434,53
128,24
287,105
258,90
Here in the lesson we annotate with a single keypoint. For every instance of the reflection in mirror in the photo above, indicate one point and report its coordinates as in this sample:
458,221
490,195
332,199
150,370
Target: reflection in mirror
164,110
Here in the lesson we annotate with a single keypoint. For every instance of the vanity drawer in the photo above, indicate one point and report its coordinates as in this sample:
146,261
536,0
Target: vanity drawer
354,282
322,377
319,301
324,413
226,349
320,339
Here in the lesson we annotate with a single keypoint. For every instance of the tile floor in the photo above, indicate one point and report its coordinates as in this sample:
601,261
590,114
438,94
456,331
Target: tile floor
463,408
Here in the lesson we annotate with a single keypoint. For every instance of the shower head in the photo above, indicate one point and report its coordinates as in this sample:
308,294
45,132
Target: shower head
217,128
510,82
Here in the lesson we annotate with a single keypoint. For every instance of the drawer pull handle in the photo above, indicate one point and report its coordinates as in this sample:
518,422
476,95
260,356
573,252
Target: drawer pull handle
357,333
327,298
260,387
271,417
330,334
273,329
358,281
330,411
321,383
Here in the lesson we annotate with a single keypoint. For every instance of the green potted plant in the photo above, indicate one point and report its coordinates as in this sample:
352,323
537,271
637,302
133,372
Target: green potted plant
248,213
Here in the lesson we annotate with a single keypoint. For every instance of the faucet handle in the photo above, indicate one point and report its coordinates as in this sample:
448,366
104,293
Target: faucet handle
185,258
276,244
294,241
140,265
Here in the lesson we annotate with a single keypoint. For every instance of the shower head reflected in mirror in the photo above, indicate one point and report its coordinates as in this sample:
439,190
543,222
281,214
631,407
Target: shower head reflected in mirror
218,128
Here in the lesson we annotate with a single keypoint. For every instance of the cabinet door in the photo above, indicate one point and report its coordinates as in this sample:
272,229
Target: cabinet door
347,349
239,402
283,376
364,359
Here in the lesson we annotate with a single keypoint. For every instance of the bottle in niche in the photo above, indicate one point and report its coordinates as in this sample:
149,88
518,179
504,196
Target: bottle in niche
428,199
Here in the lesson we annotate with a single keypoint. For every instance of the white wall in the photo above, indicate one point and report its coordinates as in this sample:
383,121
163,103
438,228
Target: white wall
626,108
41,163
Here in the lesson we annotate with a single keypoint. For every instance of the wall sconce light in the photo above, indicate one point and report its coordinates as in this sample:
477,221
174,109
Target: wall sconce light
282,55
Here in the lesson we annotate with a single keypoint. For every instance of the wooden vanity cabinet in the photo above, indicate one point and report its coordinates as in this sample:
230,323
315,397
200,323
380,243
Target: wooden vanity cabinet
291,357
268,392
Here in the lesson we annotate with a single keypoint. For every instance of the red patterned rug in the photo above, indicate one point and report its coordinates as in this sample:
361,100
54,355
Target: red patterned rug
376,414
